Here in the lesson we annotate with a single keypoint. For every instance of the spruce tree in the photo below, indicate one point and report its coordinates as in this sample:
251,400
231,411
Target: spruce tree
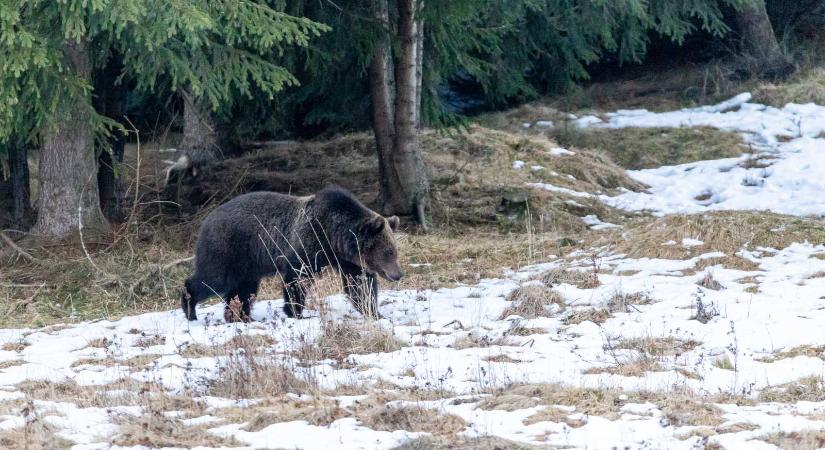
216,49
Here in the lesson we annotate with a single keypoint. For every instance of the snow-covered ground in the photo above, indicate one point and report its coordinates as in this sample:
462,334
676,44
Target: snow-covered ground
653,336
782,171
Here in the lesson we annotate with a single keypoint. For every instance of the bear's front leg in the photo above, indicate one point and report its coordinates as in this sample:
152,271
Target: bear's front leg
362,289
293,299
187,305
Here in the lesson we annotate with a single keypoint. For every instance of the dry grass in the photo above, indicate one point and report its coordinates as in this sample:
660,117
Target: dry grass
340,339
647,354
505,401
678,407
644,148
156,430
152,428
245,373
726,232
709,282
595,315
803,350
11,363
622,302
126,391
798,440
17,346
553,414
805,389
411,418
35,434
446,259
502,358
804,87
633,367
276,409
256,379
256,344
128,271
532,301
657,346
599,402
476,340
463,443
684,411
582,279
67,391
519,330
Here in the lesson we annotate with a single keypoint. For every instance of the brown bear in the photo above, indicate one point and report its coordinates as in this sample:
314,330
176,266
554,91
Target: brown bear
264,234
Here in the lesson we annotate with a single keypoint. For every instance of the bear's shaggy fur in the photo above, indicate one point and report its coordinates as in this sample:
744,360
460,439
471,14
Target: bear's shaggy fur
264,234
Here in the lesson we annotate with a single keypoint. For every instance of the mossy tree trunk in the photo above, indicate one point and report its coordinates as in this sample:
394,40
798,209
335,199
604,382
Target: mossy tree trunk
68,197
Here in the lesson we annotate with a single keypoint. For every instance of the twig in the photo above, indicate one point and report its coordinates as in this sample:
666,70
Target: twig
21,286
17,248
176,262
80,231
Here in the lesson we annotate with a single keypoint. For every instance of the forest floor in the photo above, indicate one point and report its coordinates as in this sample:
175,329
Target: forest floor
672,300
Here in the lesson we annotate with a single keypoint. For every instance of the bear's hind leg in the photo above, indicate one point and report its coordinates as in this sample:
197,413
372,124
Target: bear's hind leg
232,306
246,294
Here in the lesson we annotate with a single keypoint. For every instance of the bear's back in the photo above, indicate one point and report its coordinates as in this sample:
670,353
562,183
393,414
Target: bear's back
233,232
248,212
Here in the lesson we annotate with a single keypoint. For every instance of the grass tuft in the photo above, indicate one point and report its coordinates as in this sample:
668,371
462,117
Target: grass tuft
532,301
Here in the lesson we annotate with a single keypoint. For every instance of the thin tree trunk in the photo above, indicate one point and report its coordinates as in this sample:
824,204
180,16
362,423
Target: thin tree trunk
110,185
106,184
20,189
381,91
109,101
409,180
201,141
68,196
419,64
759,40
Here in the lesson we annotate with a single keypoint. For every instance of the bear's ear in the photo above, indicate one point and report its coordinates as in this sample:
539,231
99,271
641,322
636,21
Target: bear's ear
374,225
394,222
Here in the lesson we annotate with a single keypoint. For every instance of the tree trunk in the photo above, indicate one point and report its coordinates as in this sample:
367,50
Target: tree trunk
109,101
20,189
201,141
381,91
759,41
68,197
407,191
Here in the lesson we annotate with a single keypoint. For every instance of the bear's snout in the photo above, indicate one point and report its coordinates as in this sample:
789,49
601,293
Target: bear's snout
395,275
390,272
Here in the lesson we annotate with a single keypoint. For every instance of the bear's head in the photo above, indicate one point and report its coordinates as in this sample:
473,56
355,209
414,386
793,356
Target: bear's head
380,253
